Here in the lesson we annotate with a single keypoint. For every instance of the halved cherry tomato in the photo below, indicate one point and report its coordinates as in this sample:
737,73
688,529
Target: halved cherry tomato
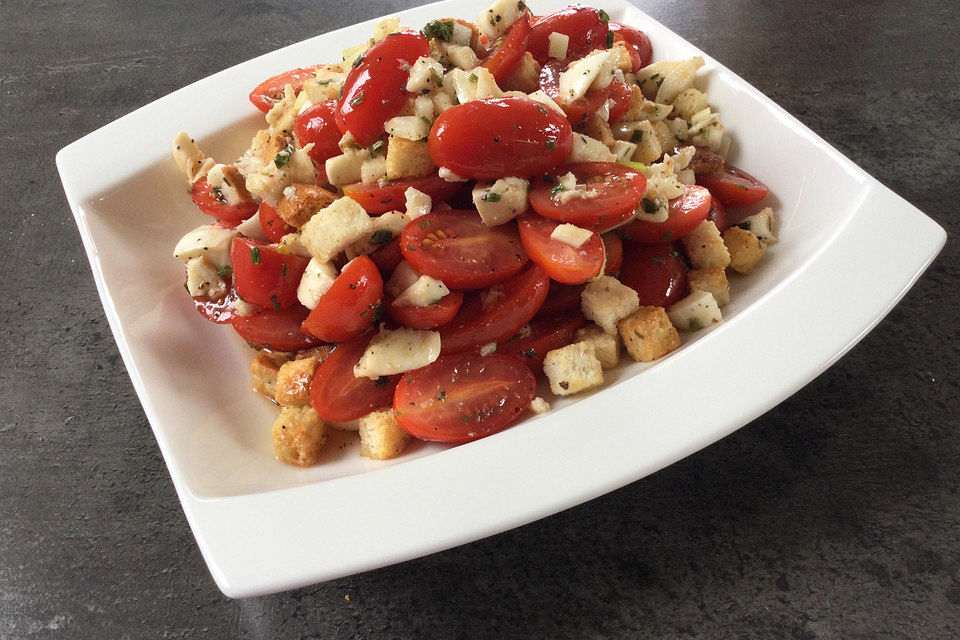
622,98
489,139
718,214
219,311
497,314
734,187
559,260
686,213
585,27
271,89
388,257
561,298
504,59
463,397
618,188
272,224
375,89
430,317
656,272
278,330
264,276
229,214
546,333
638,42
350,305
635,61
580,108
338,395
376,199
457,248
317,124
613,248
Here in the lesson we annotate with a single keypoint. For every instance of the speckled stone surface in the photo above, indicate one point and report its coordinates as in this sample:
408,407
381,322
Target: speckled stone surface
834,516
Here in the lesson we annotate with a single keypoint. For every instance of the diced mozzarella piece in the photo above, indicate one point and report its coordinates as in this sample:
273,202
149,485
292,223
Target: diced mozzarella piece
344,169
461,35
418,203
409,127
282,114
696,311
486,84
373,169
386,227
190,160
487,349
499,17
581,75
290,244
393,352
652,76
538,405
449,176
352,53
540,96
422,293
317,278
423,107
462,56
217,180
678,80
425,75
501,201
348,142
269,182
251,228
402,279
385,27
587,149
203,280
333,229
623,150
761,225
686,176
568,181
209,241
558,44
441,101
571,234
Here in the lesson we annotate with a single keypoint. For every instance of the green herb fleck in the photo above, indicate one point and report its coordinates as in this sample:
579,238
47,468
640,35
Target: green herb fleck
218,194
542,110
609,39
667,235
376,146
636,136
224,271
549,179
442,396
492,197
649,205
658,259
427,120
439,29
357,61
530,353
357,100
283,156
423,223
604,16
381,236
473,77
382,381
377,313
255,255
557,188
551,144
695,324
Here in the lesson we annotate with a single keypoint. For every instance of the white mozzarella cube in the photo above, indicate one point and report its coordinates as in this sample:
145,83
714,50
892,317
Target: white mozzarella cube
761,225
408,127
425,75
393,352
541,96
696,311
462,56
209,241
499,17
203,280
587,149
571,234
502,200
402,279
557,45
422,293
606,301
591,71
251,228
418,203
317,278
373,169
346,168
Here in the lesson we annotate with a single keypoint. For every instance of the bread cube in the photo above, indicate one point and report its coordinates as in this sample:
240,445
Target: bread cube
298,435
573,368
265,368
745,249
712,280
539,406
605,346
525,76
705,247
648,334
407,158
333,229
606,301
381,436
320,353
293,382
597,128
301,201
648,146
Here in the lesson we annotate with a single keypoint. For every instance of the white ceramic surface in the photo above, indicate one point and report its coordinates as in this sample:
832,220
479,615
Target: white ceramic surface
816,295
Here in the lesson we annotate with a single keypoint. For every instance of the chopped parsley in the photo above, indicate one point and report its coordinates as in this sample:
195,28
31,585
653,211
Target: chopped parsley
357,61
442,396
648,205
439,29
542,110
376,146
530,353
658,259
423,223
667,235
381,236
357,100
224,271
551,143
218,194
377,313
282,158
472,77
609,39
636,136
491,197
549,179
604,16
255,255
382,381
557,188
695,324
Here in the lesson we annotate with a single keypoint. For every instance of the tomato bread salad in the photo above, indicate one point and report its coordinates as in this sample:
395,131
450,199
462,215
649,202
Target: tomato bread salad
427,226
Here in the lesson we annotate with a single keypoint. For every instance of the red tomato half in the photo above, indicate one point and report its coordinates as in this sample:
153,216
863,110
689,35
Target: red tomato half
272,224
613,248
271,89
559,260
580,108
376,199
490,139
622,97
618,187
339,396
656,272
638,42
497,314
718,214
734,187
216,207
350,305
264,276
561,298
504,59
317,124
375,89
218,311
430,317
546,334
388,257
457,248
276,330
686,213
586,28
463,397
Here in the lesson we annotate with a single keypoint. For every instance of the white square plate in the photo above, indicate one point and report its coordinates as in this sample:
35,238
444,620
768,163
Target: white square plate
815,296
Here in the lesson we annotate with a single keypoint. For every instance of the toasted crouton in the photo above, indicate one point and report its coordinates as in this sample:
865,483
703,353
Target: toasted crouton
624,63
705,247
606,300
264,369
298,435
407,158
596,127
525,76
381,436
745,249
301,201
635,111
267,145
605,345
293,382
712,280
648,334
573,368
320,353
333,229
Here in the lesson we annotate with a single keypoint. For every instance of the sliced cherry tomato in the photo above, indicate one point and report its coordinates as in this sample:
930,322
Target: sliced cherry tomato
613,248
351,304
457,248
430,317
376,199
656,272
490,139
264,276
561,261
271,89
388,257
718,214
638,42
272,224
215,206
375,89
586,28
505,57
338,395
219,311
278,330
734,187
497,314
622,98
317,124
580,108
686,213
561,298
618,188
463,397
545,333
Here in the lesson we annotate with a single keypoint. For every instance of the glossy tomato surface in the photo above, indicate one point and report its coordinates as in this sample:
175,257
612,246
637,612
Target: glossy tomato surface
734,187
429,317
218,311
613,248
638,44
350,305
270,90
621,97
338,395
618,189
388,257
490,139
541,335
686,213
272,224
656,272
376,198
463,397
264,276
561,261
216,207
586,28
579,109
278,330
505,56
317,125
561,298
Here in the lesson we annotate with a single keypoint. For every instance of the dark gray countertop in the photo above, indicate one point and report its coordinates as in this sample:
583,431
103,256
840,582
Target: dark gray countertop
836,515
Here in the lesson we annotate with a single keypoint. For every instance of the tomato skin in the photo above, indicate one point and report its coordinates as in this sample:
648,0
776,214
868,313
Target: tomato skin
471,255
430,317
613,249
278,330
463,397
376,199
686,213
637,41
339,396
317,124
272,224
511,305
584,27
718,214
229,215
504,59
216,311
264,94
656,272
264,276
350,305
622,97
559,260
580,108
546,334
561,298
375,89
490,139
619,187
387,258
733,187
